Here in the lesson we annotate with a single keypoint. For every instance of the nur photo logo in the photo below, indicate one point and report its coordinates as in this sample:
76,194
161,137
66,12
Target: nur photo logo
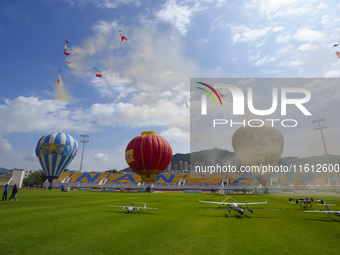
245,100
204,97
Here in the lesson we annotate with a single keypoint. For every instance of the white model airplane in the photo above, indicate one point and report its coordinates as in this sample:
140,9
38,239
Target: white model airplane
131,208
328,211
235,205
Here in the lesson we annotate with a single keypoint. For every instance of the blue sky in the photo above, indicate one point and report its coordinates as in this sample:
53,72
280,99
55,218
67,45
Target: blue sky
146,79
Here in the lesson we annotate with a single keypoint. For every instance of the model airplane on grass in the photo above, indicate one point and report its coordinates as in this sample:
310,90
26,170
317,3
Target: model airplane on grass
328,211
131,208
235,205
306,203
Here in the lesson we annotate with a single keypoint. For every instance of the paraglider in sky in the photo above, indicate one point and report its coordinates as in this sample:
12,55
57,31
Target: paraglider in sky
258,146
148,155
65,49
66,53
97,73
338,54
55,152
122,37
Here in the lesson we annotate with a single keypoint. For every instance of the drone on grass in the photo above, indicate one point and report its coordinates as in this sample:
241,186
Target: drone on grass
132,208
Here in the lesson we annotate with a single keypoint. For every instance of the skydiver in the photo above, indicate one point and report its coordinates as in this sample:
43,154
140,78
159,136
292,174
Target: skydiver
338,54
66,53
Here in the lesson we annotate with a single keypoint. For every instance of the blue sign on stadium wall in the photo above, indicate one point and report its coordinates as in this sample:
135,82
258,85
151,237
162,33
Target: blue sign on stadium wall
126,177
164,178
89,179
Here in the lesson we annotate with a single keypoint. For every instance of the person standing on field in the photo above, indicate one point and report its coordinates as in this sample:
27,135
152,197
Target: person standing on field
14,193
4,197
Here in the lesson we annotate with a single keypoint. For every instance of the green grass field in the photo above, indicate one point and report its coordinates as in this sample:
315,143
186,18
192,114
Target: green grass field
81,222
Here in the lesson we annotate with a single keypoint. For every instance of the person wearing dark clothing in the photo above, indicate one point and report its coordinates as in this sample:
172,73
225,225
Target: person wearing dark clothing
14,193
4,197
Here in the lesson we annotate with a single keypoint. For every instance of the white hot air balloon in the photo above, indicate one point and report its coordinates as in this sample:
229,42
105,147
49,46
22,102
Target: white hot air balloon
256,146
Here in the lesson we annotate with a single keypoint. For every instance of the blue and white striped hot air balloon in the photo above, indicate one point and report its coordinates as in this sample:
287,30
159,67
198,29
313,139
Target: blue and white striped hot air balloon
55,152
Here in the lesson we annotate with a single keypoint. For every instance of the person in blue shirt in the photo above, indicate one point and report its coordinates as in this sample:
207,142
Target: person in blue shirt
4,197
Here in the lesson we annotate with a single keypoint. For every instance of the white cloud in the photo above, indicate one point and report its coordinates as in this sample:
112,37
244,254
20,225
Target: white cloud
178,15
106,27
286,49
109,4
115,3
272,9
278,29
179,139
152,64
292,63
162,113
264,60
175,134
100,157
246,34
283,38
111,86
28,114
5,146
309,35
332,74
219,23
307,47
30,157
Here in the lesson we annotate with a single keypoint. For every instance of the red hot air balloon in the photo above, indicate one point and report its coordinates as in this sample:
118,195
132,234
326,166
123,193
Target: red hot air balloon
148,155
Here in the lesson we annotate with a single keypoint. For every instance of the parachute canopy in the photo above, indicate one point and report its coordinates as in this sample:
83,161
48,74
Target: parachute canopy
148,155
55,152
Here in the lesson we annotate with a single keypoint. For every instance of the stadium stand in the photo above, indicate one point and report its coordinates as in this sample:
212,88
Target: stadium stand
125,179
63,178
169,179
102,179
17,177
203,180
243,180
320,181
74,177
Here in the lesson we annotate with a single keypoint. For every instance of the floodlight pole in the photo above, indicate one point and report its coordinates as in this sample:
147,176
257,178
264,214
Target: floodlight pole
320,124
84,139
